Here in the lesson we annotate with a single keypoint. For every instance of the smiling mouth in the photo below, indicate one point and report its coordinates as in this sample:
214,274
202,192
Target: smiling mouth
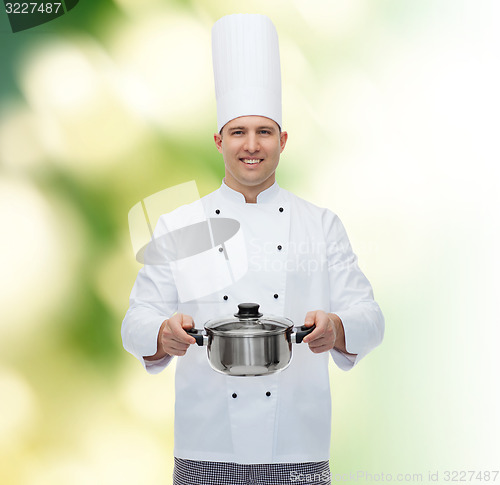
251,161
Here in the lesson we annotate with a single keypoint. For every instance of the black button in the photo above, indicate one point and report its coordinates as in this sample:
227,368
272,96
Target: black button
225,297
217,211
276,295
268,393
280,247
221,249
281,209
235,395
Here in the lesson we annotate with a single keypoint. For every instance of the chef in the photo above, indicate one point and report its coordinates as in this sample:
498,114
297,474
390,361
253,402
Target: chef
298,264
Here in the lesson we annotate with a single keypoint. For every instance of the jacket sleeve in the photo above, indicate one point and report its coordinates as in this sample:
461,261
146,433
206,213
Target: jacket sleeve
351,297
152,301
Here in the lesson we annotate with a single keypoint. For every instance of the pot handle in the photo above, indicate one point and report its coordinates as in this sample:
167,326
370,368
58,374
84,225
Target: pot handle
301,333
198,336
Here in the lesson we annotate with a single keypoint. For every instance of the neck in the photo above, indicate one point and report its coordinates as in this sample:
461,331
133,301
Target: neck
249,192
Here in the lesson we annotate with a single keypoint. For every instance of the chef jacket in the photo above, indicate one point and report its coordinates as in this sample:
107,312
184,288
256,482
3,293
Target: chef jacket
299,259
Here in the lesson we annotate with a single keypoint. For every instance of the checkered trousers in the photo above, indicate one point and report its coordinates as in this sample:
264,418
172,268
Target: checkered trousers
188,472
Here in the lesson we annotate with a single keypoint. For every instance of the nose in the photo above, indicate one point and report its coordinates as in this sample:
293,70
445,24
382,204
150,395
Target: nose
251,143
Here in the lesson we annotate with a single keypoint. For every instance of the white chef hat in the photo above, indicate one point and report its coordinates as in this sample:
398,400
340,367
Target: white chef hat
246,61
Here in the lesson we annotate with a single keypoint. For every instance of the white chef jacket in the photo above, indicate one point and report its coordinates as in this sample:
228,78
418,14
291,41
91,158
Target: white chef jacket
284,417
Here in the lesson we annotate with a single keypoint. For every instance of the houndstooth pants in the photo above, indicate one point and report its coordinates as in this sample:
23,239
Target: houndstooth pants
188,472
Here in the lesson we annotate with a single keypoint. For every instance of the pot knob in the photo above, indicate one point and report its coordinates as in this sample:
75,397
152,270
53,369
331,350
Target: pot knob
248,310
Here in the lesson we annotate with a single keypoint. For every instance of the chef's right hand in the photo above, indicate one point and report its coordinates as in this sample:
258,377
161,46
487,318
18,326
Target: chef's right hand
173,338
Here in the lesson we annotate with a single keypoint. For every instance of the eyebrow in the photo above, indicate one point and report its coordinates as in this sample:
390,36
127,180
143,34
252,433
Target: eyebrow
263,127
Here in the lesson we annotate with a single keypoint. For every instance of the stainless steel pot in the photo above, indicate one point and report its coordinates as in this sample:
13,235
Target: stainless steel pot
249,343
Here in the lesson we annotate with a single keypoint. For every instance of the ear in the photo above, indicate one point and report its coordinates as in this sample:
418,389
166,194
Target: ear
283,140
218,141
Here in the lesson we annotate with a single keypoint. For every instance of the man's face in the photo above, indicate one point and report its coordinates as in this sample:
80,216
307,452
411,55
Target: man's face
251,148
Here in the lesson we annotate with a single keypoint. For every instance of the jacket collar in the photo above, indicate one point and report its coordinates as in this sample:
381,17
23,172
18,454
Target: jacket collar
264,197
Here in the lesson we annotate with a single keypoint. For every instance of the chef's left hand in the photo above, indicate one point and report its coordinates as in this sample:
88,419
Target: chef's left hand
324,336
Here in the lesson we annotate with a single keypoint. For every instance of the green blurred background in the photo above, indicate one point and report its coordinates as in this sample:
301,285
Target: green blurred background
392,112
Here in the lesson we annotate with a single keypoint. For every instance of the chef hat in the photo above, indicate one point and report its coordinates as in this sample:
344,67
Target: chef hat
246,61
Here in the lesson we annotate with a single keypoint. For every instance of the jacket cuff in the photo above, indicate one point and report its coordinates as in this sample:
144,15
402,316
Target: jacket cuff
343,361
156,366
141,339
363,330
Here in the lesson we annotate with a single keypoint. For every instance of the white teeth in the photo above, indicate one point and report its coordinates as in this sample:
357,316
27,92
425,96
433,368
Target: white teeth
251,162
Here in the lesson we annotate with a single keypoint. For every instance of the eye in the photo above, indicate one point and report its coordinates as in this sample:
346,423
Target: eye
265,132
237,132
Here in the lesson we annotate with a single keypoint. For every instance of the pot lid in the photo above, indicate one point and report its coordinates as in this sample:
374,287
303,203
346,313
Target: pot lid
248,322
